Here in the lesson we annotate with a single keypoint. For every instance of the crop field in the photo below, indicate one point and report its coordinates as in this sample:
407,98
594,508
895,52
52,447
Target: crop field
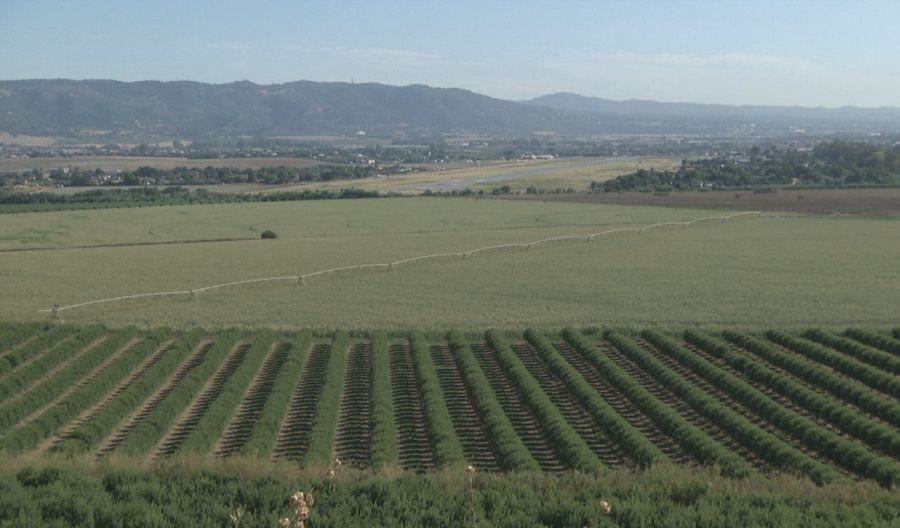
774,271
818,404
861,202
131,163
518,175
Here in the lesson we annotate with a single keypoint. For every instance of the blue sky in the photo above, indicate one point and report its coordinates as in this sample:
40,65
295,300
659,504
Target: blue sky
810,53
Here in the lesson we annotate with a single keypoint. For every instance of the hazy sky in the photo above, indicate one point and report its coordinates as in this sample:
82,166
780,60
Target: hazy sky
811,53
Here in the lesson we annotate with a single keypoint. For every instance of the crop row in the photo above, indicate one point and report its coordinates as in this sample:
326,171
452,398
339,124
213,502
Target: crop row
497,402
871,376
49,422
384,432
866,354
875,340
207,422
447,448
766,445
13,335
264,432
109,416
882,437
848,454
846,389
30,348
414,446
155,423
57,353
692,439
14,409
511,453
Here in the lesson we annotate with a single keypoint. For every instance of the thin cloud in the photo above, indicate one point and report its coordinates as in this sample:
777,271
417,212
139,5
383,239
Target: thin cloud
371,53
232,45
716,61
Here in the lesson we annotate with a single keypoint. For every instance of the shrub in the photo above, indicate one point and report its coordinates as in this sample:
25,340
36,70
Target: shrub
268,233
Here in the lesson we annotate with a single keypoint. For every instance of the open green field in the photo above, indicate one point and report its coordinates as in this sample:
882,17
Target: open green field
771,271
559,173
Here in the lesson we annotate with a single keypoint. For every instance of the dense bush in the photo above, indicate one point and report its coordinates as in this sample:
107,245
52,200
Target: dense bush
123,498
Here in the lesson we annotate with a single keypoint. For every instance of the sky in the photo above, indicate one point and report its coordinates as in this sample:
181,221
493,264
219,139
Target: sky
807,53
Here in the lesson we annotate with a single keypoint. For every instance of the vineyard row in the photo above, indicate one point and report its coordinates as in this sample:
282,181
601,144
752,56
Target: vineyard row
821,404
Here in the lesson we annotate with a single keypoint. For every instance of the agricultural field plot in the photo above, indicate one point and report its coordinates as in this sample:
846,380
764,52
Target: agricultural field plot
777,270
860,202
131,163
518,175
821,404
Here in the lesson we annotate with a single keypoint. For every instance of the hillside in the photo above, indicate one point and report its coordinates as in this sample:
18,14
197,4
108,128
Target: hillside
111,109
66,107
847,117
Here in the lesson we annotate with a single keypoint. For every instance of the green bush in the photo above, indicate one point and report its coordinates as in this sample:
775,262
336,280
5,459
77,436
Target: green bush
268,233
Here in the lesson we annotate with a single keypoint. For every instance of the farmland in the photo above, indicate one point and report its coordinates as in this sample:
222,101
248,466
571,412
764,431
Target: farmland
753,272
739,368
862,202
131,163
725,407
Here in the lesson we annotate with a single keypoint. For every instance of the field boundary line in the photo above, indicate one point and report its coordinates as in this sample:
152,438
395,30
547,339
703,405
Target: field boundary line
390,266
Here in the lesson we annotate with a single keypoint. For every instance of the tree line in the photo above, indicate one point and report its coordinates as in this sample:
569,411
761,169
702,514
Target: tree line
829,164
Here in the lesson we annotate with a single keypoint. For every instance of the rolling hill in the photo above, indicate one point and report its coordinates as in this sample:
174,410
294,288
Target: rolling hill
71,108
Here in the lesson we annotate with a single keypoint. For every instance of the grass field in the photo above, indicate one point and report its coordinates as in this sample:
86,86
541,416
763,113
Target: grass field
862,202
562,173
748,272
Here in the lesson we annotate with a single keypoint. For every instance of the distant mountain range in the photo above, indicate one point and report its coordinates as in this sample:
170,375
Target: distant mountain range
184,109
635,108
